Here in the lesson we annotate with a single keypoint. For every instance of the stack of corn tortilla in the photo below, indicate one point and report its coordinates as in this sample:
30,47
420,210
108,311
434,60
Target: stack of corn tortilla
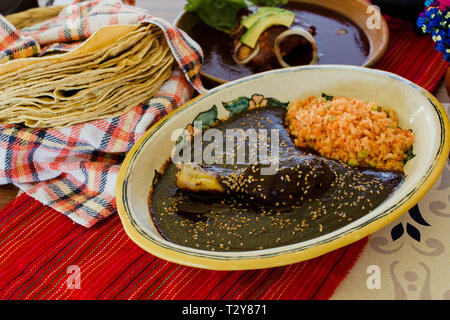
117,68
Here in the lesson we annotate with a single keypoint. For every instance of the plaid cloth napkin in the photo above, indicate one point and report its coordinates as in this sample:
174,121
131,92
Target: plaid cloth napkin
74,169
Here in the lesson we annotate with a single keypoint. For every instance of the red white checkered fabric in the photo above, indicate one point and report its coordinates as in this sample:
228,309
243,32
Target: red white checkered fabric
74,169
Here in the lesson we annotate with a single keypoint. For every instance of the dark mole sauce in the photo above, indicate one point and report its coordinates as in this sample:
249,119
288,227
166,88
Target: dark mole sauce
350,47
227,224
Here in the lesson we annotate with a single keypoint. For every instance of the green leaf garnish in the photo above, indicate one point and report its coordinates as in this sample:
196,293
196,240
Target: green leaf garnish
327,97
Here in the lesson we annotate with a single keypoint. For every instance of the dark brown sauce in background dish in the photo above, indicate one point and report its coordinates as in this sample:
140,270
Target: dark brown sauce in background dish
351,48
226,224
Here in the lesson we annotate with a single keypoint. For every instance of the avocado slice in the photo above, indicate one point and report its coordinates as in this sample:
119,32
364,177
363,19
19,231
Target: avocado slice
250,20
251,36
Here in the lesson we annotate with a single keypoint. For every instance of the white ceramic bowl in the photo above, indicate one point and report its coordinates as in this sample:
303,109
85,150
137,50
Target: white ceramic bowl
415,107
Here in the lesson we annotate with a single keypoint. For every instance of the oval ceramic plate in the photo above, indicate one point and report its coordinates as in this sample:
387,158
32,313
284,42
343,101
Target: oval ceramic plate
357,11
416,109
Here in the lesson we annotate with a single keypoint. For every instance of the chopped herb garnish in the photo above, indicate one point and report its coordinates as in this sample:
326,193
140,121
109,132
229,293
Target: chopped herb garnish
409,155
327,97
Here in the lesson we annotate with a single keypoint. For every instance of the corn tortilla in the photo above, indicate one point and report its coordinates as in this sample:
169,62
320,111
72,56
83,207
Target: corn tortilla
113,71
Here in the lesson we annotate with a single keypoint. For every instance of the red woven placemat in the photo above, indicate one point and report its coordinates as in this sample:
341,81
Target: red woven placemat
38,245
41,250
